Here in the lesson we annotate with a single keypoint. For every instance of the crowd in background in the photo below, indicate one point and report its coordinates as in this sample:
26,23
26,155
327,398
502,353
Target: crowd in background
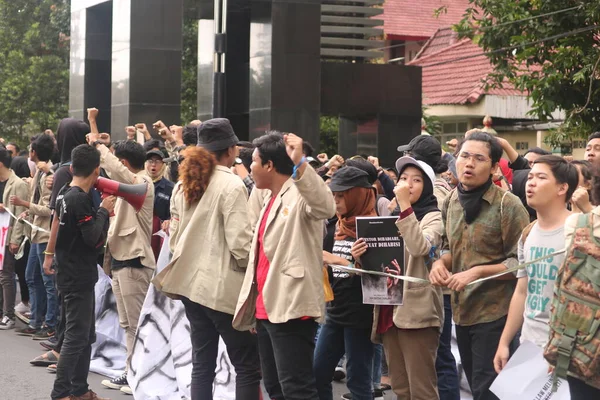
255,232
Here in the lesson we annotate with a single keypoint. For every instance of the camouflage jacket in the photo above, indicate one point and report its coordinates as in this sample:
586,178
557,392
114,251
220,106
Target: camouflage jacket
491,239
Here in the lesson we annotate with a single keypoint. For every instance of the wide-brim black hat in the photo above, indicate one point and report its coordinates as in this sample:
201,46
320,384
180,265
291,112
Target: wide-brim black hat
216,134
347,178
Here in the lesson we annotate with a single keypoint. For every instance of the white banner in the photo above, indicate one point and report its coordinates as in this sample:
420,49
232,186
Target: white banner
161,365
4,224
526,377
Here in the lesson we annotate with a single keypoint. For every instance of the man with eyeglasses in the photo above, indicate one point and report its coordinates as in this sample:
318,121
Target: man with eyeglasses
483,224
163,188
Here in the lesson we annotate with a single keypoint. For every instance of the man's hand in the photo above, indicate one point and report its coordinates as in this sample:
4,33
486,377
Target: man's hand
24,214
2,210
16,201
92,114
49,181
323,158
165,225
109,203
92,137
374,161
293,146
48,265
43,166
158,125
13,248
501,357
165,134
460,280
335,161
130,131
439,275
240,170
142,127
581,199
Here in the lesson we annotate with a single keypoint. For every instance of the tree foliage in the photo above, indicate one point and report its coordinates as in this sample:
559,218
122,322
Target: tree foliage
558,73
189,77
34,65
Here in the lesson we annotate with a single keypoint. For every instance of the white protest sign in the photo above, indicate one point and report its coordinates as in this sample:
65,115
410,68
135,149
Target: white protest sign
4,225
526,377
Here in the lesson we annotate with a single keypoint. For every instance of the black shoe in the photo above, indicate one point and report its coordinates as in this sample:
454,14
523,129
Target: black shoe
48,345
27,331
44,334
339,374
116,383
377,395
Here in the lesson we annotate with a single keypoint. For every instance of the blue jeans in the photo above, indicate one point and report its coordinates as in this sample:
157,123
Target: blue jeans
335,340
445,364
43,298
377,356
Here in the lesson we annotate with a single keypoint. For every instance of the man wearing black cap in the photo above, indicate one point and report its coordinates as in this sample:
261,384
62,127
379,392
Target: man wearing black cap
163,188
208,266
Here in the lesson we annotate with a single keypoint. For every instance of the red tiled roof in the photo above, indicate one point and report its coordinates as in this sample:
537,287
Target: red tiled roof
415,19
458,82
442,38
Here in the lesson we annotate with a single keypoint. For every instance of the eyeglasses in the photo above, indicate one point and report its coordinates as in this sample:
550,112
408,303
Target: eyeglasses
154,161
478,158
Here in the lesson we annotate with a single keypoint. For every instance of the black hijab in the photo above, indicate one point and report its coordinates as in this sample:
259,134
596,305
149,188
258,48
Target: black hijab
70,134
20,166
471,200
427,201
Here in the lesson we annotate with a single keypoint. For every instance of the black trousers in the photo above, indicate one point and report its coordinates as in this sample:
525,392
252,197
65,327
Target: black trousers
286,356
80,333
207,325
477,345
20,266
581,391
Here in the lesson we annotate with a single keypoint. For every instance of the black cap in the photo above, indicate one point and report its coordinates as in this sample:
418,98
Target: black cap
425,148
216,134
347,178
158,153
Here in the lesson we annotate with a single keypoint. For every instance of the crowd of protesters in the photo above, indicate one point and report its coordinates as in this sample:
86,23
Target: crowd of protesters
255,230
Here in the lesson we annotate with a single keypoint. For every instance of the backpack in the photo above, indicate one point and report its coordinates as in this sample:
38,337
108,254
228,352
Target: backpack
574,343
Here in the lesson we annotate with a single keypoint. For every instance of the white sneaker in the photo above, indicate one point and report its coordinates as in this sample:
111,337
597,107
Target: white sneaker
127,390
7,323
22,308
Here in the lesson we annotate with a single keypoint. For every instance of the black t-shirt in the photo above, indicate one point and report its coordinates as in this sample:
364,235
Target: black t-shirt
347,308
2,186
62,176
81,236
163,190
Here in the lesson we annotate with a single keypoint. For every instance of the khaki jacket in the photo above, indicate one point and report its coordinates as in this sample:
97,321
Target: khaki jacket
423,304
15,186
40,213
293,243
212,246
174,231
129,233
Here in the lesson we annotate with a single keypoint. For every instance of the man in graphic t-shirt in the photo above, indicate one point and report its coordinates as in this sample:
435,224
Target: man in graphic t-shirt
550,184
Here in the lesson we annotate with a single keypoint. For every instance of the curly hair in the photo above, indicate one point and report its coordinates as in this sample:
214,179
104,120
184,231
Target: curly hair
195,172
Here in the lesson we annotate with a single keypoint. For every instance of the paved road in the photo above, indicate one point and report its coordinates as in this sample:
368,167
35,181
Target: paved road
21,381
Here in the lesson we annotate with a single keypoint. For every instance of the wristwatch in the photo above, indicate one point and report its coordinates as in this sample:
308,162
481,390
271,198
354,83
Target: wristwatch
238,161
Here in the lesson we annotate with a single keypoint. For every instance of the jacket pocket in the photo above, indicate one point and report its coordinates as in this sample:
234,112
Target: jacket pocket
294,271
127,231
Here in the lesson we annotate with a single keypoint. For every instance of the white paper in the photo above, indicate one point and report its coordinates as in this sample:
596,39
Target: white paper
526,377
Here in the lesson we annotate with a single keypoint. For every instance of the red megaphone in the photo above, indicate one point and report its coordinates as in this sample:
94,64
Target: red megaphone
133,194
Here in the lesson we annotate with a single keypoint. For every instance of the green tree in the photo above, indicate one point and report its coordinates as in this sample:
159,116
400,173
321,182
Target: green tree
189,73
548,49
329,127
34,66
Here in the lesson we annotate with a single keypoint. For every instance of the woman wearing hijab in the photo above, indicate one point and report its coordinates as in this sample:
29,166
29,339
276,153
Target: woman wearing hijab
347,327
410,332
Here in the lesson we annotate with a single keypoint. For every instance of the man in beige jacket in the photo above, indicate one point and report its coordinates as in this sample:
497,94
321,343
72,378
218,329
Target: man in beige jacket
10,184
209,260
129,235
283,288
